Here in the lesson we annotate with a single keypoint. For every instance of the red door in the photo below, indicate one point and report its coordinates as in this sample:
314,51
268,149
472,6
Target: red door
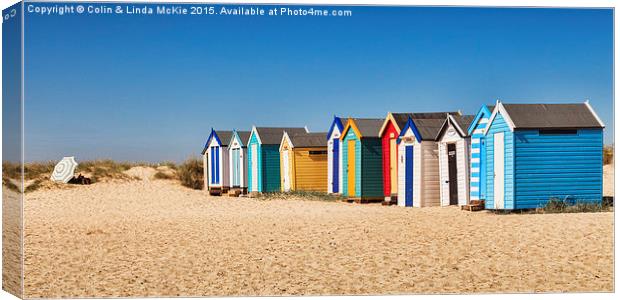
389,153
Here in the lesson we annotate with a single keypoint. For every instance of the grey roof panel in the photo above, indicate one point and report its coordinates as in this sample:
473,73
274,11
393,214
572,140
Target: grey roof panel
464,121
225,136
368,127
303,140
402,118
549,116
429,128
273,135
244,136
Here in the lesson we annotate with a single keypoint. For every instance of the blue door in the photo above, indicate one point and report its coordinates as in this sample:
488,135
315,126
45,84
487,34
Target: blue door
215,165
336,166
409,176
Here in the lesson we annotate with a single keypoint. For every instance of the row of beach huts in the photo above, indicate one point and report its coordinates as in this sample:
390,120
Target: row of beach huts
507,156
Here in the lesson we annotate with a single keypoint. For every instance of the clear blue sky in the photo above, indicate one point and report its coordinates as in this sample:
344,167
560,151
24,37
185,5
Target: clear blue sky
150,88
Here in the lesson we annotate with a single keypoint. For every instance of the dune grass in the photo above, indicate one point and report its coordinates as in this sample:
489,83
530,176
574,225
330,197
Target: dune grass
190,173
608,154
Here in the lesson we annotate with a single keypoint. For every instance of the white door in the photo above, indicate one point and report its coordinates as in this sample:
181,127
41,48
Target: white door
254,168
287,176
498,170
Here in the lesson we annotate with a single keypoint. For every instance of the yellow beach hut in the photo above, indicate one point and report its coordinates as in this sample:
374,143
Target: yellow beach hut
303,162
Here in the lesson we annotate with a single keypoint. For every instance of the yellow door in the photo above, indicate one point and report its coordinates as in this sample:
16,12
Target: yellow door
393,168
351,168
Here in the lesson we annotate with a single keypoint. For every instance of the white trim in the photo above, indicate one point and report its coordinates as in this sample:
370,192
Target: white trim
474,188
483,121
479,131
587,103
475,179
475,140
254,131
286,137
475,170
499,107
475,160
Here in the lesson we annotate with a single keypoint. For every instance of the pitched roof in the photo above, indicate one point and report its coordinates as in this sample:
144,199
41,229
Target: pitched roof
368,127
244,136
224,136
303,140
273,135
428,128
459,122
463,121
339,123
401,118
574,115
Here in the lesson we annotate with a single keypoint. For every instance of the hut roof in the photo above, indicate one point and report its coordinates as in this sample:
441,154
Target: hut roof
428,128
273,135
223,136
552,116
303,140
368,127
244,135
402,118
459,122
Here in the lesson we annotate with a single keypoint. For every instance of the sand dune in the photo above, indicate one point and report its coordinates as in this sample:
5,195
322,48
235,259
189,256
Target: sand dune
156,238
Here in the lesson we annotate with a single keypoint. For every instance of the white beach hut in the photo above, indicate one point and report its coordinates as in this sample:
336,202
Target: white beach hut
237,162
418,169
453,143
215,160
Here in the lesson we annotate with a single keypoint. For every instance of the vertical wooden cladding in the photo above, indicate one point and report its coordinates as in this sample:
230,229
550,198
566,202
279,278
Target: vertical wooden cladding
499,125
271,168
389,160
372,175
351,165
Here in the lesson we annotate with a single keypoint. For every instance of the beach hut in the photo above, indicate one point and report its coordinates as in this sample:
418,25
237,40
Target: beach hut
238,165
361,158
303,162
538,152
391,128
453,143
215,161
264,157
418,170
334,155
477,186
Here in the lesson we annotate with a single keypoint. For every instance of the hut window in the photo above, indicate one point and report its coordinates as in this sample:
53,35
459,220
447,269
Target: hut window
318,152
557,131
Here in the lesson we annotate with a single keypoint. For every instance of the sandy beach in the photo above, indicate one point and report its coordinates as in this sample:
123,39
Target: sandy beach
157,238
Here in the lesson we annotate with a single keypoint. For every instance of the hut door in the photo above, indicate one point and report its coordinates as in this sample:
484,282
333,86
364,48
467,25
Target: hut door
393,168
335,165
287,171
351,168
454,195
235,167
498,170
254,158
215,164
409,176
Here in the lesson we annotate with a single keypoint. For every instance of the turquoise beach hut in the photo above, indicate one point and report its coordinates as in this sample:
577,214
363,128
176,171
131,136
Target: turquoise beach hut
264,157
538,152
477,187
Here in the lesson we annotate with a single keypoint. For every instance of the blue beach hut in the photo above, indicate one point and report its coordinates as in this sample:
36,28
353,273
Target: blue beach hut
538,152
334,156
477,187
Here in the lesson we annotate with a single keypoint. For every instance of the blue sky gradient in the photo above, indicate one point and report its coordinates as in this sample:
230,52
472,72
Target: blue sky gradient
149,88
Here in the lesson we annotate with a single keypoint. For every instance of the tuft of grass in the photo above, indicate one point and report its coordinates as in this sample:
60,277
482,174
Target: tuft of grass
162,175
608,154
190,174
37,184
10,185
305,195
169,164
555,205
